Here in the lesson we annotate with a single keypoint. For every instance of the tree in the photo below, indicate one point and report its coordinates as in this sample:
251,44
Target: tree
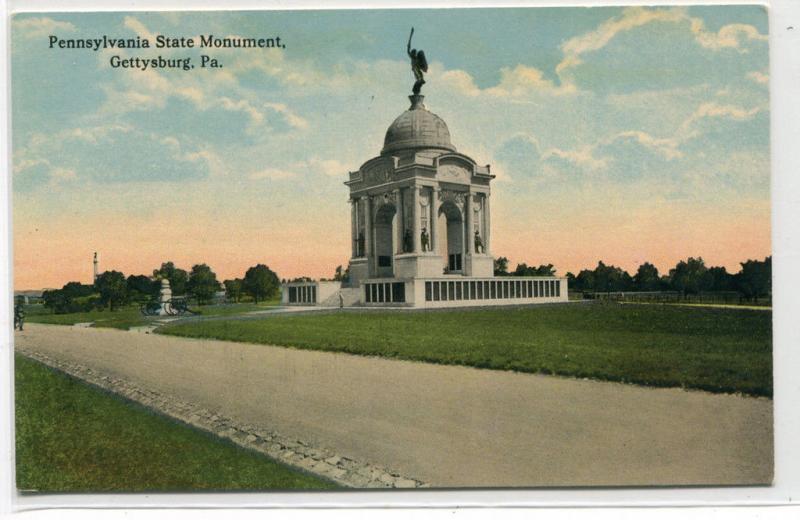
501,266
609,278
755,278
585,281
141,287
178,278
261,282
718,279
233,289
341,275
202,283
689,277
113,289
647,278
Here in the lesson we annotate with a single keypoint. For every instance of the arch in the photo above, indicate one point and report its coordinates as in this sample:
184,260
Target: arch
384,239
450,223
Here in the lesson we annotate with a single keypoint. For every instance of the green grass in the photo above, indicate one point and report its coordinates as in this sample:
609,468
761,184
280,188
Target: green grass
74,437
130,316
719,350
123,318
229,309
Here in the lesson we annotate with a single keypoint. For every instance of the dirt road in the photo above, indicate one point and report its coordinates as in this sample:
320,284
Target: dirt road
448,426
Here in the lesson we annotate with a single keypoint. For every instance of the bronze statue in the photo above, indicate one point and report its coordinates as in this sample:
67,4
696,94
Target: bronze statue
408,246
423,237
360,244
478,243
418,64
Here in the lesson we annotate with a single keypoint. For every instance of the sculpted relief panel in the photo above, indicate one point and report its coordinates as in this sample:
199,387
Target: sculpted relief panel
454,173
378,174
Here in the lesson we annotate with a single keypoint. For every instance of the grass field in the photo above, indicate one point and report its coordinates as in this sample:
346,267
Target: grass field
131,316
719,350
73,437
123,318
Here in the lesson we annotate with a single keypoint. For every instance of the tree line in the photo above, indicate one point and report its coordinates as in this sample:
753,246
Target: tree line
690,276
111,289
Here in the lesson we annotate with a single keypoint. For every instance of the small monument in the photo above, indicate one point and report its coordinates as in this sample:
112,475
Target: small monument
164,297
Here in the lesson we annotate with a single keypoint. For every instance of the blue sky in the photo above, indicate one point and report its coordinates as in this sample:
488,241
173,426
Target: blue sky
622,134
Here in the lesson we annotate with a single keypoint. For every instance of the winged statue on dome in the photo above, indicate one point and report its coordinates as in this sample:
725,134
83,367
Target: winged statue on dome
419,64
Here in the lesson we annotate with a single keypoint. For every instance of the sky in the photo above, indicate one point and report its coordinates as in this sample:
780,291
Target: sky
617,134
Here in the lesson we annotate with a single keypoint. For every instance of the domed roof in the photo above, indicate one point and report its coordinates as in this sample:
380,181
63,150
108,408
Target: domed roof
417,128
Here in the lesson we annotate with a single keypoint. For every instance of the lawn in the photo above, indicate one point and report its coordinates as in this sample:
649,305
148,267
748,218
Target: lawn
123,318
719,350
74,437
130,316
229,309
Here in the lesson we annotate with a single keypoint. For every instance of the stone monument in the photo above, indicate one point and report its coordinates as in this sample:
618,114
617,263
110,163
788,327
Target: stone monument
420,222
164,297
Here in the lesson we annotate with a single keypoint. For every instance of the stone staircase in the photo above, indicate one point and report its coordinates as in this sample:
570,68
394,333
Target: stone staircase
351,298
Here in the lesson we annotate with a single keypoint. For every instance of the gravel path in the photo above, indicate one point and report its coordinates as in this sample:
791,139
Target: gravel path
441,425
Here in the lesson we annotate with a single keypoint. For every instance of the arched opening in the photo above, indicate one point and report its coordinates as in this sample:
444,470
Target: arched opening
384,240
451,231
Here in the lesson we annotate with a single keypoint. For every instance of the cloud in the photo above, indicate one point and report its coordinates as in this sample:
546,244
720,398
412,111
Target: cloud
107,154
729,36
272,174
631,18
138,28
668,148
292,119
40,27
711,110
758,77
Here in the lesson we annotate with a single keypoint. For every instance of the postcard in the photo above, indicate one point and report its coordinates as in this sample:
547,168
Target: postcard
392,249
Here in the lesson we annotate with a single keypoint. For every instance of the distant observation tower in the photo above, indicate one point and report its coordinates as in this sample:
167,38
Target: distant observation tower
95,266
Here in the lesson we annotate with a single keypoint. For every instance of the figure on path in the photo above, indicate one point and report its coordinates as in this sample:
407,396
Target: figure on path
19,313
419,64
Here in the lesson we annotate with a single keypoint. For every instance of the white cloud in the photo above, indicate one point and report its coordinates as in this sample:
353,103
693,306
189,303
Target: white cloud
667,148
291,118
729,36
631,18
139,28
582,156
63,174
714,110
522,80
272,174
39,27
758,77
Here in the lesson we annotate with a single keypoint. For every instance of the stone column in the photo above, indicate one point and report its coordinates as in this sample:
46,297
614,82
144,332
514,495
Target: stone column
487,218
470,239
368,234
353,228
401,219
397,247
434,222
417,228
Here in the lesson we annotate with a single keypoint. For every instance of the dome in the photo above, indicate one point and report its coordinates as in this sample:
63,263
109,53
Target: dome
417,128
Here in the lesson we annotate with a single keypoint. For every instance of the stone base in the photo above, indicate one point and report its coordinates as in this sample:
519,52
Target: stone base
418,265
479,265
359,270
462,291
